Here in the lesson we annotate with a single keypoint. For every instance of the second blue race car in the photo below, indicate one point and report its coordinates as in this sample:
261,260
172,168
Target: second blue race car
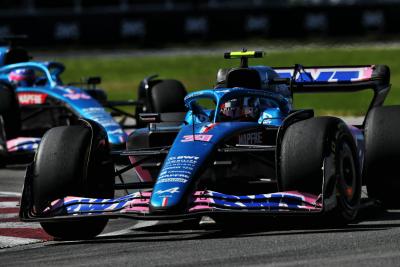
34,99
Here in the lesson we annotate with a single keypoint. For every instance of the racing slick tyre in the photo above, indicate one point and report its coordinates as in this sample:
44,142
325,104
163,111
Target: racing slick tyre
9,110
317,151
167,96
382,155
72,161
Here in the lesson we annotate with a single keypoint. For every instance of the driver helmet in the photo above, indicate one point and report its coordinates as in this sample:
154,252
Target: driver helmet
244,109
22,77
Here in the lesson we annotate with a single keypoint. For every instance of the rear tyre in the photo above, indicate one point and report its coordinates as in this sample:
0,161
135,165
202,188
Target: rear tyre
168,96
72,161
382,155
9,110
318,147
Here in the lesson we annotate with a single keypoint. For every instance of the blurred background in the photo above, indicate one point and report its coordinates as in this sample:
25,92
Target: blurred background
154,21
126,40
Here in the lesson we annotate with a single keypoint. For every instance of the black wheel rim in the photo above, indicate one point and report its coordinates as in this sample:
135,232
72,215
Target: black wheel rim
347,175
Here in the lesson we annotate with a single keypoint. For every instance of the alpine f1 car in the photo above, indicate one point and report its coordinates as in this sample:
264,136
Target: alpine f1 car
34,99
242,150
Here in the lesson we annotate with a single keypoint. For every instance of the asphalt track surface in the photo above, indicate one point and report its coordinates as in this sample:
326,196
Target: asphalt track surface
374,240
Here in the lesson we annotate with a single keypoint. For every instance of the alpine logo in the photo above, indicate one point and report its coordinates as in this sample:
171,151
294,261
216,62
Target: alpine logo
170,190
31,98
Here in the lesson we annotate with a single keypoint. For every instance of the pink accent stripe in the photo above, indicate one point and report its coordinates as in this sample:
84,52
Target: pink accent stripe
203,200
136,209
367,73
144,175
200,207
310,198
139,201
200,193
146,194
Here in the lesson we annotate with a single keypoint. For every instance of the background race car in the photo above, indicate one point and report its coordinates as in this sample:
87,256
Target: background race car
34,99
245,152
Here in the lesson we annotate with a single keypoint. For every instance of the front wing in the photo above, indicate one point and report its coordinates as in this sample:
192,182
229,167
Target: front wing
136,205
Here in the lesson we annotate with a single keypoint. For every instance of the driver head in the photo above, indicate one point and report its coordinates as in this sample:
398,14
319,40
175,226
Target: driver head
243,109
22,77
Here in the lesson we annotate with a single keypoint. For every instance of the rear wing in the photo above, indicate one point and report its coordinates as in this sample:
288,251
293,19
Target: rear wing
319,79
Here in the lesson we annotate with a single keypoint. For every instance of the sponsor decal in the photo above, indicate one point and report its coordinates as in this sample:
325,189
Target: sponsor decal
76,96
197,137
178,169
330,74
254,138
172,180
31,98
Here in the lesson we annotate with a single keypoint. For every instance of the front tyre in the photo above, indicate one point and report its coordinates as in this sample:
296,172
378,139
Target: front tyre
319,150
72,161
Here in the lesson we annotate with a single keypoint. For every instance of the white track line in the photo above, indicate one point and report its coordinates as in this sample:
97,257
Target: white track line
10,241
9,204
117,233
10,225
130,229
9,194
8,215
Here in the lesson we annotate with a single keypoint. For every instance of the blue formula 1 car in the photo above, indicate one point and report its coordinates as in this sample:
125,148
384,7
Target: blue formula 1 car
34,99
242,150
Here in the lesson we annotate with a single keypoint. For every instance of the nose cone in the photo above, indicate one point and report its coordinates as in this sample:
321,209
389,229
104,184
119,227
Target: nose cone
180,172
191,153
